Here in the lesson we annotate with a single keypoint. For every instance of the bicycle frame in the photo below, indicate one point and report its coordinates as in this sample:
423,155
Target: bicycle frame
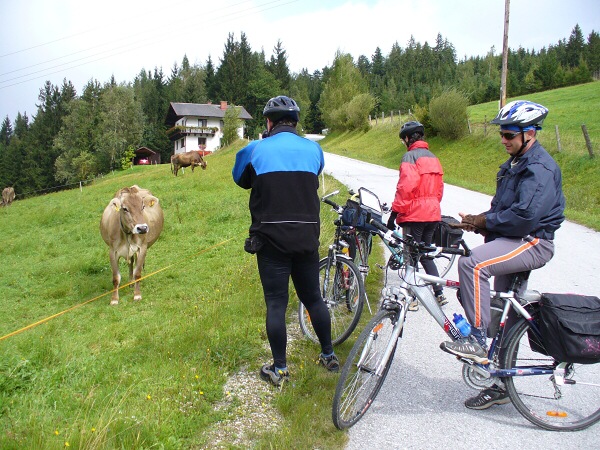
416,284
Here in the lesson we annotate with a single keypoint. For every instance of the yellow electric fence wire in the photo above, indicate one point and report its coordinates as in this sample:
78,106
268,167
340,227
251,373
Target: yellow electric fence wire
39,322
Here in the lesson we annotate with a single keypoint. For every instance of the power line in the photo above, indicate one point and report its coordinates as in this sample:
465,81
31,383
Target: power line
124,48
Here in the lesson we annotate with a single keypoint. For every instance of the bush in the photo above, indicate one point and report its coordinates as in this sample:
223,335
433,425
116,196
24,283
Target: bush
448,114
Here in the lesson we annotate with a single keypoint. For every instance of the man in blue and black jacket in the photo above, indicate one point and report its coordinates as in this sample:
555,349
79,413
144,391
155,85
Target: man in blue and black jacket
282,170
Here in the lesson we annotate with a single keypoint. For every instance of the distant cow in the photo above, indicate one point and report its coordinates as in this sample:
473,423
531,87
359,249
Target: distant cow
8,195
130,224
193,159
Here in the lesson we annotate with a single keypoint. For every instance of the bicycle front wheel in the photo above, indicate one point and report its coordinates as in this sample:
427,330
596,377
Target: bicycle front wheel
343,291
444,262
359,383
546,400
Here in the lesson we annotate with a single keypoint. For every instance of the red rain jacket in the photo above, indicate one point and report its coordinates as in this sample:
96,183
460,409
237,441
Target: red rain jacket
420,186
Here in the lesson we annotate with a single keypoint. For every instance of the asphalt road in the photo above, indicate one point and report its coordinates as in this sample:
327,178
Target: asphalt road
420,405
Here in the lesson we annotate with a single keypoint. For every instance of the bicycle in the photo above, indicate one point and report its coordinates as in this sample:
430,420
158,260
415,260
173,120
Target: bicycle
343,293
551,394
341,281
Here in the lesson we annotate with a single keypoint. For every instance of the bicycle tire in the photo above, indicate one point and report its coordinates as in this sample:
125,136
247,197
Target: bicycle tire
570,407
345,299
444,263
358,385
365,243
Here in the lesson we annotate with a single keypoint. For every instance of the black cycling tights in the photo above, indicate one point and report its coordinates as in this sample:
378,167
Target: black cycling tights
275,269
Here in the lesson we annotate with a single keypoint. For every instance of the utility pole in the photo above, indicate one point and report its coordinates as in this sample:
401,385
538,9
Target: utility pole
504,55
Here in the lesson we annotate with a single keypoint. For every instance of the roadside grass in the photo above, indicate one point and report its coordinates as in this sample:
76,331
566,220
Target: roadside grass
150,374
472,162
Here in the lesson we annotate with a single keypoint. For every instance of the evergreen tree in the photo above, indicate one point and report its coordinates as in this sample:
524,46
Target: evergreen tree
279,68
575,48
592,54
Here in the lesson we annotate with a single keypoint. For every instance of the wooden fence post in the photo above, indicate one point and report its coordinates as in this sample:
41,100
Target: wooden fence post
558,144
588,142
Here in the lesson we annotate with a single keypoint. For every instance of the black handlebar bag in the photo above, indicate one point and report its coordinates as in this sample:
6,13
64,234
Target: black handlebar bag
570,327
356,216
446,236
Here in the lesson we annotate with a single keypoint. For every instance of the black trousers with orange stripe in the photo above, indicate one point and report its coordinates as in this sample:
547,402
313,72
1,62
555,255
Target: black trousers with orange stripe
499,259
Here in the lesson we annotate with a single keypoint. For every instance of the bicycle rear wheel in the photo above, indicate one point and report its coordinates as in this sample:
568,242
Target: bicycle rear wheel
343,291
358,384
542,400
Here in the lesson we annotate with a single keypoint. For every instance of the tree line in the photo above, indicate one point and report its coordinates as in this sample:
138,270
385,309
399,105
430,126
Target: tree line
75,136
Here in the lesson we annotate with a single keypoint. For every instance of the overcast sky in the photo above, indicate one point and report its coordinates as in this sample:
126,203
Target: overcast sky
82,40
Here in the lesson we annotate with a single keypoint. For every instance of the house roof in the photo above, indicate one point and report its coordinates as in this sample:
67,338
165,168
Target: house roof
178,110
144,151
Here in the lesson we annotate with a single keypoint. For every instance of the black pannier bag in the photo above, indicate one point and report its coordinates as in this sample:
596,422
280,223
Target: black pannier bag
358,217
445,235
570,327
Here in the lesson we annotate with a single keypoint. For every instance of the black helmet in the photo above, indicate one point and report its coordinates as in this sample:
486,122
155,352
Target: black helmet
282,107
411,127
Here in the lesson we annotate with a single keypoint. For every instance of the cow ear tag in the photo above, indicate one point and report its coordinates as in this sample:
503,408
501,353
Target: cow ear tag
151,203
117,207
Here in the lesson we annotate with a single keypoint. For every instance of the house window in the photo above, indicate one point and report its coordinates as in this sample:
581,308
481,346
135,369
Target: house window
202,122
222,124
182,143
201,141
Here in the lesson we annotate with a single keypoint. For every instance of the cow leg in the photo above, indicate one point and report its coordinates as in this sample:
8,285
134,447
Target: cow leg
137,274
116,278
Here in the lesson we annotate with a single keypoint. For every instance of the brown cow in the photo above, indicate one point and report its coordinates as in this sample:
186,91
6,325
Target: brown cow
130,224
8,195
193,158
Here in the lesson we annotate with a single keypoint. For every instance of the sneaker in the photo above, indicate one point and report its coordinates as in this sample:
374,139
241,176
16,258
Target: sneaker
466,348
487,398
413,305
441,299
268,373
330,362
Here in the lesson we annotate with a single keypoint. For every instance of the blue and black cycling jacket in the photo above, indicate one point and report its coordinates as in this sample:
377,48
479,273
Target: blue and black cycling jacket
283,173
529,199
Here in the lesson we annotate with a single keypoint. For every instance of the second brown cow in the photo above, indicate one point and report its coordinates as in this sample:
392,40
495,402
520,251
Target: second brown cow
193,158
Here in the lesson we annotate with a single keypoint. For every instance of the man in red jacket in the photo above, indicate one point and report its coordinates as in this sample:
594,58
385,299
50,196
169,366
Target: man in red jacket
416,206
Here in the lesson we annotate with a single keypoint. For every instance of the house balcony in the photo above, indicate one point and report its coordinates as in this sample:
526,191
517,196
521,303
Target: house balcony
179,131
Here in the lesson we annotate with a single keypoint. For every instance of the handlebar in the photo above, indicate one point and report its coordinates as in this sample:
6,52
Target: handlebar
337,208
392,239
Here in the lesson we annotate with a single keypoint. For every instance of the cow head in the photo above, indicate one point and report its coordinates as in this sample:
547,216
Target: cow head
131,212
202,162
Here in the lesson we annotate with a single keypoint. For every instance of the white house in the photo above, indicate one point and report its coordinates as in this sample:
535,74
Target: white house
196,126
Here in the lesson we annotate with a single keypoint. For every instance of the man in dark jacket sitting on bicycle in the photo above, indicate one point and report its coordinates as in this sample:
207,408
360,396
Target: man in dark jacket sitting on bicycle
519,230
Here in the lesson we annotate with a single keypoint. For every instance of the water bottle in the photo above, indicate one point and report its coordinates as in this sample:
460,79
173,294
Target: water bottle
462,324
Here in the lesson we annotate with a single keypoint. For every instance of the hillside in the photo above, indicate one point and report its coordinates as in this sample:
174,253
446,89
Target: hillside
177,369
473,161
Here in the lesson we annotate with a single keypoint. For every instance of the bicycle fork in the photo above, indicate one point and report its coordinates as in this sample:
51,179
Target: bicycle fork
400,307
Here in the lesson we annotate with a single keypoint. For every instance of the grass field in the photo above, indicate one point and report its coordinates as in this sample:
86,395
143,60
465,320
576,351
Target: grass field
149,374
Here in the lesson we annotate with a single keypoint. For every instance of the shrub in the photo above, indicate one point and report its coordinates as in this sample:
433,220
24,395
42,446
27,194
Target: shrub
448,114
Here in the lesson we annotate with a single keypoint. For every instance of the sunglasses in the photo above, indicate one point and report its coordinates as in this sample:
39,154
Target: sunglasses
508,136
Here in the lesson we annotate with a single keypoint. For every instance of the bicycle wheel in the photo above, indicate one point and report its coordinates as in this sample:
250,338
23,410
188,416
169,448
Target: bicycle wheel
358,384
444,262
365,242
344,294
571,406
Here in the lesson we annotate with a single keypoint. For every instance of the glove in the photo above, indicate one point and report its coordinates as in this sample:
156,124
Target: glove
474,223
391,223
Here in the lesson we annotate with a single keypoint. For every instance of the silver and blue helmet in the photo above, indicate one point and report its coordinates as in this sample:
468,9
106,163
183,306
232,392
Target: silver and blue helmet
521,115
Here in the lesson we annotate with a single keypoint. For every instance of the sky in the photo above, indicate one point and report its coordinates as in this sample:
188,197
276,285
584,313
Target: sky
50,40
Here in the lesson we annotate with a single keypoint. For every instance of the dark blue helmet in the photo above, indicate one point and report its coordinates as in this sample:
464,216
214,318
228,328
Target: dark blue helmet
282,107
